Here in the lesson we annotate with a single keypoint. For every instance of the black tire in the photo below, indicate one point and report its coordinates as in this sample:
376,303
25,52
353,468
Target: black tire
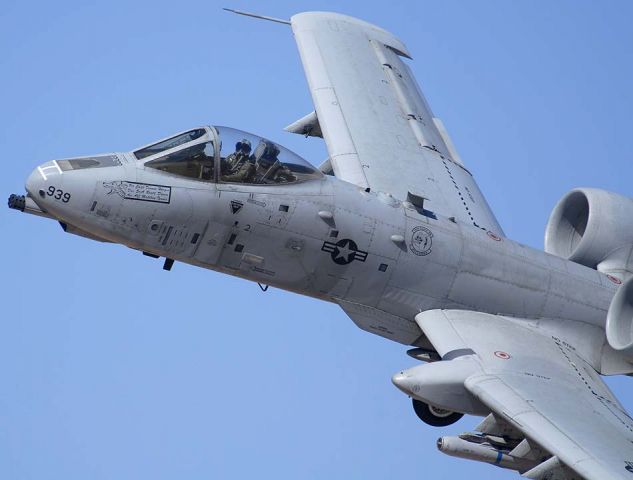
434,416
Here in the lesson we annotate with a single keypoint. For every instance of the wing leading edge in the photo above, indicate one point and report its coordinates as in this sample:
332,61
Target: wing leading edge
379,129
541,386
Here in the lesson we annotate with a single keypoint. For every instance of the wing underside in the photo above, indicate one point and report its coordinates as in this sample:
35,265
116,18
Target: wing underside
540,386
379,129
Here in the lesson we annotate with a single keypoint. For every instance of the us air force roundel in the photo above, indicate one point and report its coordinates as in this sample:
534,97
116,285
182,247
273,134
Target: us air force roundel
421,240
344,251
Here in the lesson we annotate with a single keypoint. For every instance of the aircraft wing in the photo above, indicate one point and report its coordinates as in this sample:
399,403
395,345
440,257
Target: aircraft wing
379,130
542,387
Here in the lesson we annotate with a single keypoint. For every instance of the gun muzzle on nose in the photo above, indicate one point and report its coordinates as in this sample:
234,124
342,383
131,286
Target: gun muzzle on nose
24,203
17,202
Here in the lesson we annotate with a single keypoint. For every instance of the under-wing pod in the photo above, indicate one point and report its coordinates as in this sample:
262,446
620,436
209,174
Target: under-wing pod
441,384
498,451
594,228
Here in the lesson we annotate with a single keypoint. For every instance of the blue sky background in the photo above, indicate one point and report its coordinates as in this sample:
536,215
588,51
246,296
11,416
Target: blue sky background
111,368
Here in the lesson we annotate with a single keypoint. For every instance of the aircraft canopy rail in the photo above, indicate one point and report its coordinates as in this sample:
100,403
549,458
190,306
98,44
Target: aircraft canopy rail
169,143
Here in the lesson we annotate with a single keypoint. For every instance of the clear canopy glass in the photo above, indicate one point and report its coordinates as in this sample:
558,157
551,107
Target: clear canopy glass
248,158
169,143
192,161
241,158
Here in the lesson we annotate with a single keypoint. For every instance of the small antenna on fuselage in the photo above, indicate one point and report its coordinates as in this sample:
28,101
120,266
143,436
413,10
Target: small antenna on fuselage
261,17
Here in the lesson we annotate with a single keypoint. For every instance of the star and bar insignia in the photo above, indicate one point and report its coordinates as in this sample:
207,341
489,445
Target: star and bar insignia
344,251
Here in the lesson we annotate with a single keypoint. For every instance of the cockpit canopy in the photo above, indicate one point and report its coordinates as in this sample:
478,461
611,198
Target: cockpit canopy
241,158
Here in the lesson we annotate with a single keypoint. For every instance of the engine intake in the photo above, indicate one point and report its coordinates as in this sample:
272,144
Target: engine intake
594,228
619,328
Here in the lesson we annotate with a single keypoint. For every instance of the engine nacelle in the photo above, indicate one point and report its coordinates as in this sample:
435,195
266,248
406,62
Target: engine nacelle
594,228
619,328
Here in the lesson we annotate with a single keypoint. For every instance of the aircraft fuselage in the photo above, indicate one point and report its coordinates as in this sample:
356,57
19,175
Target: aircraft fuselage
382,260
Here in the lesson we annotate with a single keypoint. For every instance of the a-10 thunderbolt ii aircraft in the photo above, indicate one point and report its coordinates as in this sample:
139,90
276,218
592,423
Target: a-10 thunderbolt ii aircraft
393,228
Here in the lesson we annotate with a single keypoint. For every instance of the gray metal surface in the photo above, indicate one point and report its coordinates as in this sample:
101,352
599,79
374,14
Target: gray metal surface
379,129
402,229
533,388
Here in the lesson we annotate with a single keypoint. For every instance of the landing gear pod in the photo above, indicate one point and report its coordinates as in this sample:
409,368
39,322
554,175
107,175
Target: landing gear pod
434,416
438,390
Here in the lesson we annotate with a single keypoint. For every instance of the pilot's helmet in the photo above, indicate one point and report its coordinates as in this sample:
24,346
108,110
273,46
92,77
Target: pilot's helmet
272,150
266,150
243,146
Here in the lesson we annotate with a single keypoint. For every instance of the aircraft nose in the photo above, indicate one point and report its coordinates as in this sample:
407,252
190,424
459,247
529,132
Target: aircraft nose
40,178
34,183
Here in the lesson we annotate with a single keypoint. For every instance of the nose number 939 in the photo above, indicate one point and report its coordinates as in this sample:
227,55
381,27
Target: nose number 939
58,194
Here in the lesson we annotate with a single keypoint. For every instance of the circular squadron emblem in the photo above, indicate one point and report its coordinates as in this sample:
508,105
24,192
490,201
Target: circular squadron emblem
421,241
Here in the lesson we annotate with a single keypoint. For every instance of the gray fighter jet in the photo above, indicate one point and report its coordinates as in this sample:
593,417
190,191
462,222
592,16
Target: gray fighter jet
393,228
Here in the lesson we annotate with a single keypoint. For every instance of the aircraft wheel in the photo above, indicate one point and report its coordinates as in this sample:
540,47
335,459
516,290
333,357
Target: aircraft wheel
437,417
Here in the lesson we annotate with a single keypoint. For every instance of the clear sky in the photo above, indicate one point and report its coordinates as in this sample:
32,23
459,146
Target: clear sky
111,368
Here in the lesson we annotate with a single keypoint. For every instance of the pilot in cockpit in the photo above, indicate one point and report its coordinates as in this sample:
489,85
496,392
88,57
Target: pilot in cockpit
239,165
240,156
262,167
269,167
